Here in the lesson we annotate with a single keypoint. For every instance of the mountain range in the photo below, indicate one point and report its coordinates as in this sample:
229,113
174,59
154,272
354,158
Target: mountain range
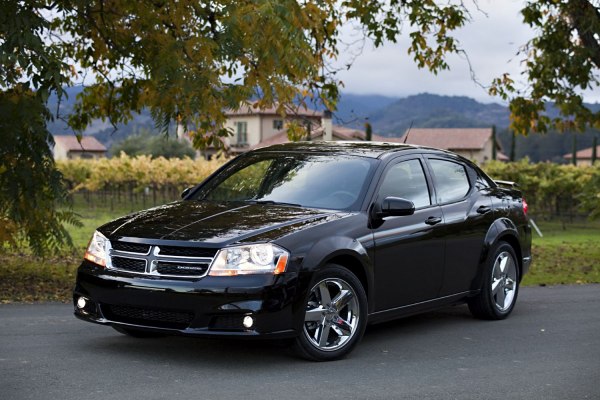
389,116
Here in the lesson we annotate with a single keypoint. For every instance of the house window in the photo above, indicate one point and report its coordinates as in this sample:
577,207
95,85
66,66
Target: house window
277,124
242,132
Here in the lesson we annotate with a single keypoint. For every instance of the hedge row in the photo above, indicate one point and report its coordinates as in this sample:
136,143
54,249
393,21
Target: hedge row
553,190
550,189
139,172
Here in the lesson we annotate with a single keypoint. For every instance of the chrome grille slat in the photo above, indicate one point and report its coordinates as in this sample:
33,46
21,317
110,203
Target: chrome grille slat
159,264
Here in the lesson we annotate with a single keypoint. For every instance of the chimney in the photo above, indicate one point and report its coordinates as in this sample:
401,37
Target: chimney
327,125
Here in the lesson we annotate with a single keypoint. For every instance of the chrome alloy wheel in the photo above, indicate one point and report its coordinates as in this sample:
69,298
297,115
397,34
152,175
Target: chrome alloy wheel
332,314
504,281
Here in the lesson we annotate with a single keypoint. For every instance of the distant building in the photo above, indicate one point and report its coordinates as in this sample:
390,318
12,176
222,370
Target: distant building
472,143
251,126
583,157
338,133
67,147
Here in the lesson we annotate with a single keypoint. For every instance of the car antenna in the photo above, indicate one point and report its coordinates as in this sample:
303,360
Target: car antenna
407,132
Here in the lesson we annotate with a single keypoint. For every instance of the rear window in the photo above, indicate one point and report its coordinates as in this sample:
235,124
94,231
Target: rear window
450,180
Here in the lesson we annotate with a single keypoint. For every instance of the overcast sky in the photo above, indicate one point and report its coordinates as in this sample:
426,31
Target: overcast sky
491,42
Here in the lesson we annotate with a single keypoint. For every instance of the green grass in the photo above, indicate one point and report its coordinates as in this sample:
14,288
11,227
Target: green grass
25,278
567,254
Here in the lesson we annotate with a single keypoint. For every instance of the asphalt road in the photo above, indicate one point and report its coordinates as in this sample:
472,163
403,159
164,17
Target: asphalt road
548,349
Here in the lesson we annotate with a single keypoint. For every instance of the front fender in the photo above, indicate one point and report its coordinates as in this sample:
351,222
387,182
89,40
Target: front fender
350,253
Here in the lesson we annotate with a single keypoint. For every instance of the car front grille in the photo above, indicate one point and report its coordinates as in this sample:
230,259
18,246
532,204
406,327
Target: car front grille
129,264
174,319
160,261
131,247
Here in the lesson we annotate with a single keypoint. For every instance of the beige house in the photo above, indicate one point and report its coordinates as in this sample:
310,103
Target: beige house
252,126
338,133
472,143
68,147
584,157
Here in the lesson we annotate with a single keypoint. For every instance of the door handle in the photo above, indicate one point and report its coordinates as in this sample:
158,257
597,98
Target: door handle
433,220
484,209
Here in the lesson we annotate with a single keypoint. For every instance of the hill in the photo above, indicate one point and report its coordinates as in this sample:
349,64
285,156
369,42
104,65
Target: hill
433,111
389,116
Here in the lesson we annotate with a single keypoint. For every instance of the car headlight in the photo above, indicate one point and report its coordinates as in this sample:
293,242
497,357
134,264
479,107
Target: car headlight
264,258
97,250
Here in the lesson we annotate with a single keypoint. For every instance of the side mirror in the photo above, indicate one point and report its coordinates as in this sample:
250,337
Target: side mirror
396,206
185,192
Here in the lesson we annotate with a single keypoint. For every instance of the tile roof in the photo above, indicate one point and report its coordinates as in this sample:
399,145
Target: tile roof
70,143
447,138
338,132
249,109
585,154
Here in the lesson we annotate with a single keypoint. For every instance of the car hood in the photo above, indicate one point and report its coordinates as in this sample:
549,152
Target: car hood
215,224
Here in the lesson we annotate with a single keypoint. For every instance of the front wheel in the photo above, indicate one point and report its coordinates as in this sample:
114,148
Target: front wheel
500,286
335,315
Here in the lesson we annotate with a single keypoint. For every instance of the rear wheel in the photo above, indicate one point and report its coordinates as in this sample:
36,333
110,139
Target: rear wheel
500,286
335,315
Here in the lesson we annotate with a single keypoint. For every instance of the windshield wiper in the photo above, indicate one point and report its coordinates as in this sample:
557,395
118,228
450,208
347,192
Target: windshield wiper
273,202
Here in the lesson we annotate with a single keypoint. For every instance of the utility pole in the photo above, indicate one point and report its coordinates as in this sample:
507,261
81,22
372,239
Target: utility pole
494,150
513,146
574,156
594,149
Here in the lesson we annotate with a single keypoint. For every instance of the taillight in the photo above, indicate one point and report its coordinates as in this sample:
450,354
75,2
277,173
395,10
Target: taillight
525,206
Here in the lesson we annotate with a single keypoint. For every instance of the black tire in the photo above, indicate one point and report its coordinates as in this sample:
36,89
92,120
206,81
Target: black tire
329,331
138,333
498,295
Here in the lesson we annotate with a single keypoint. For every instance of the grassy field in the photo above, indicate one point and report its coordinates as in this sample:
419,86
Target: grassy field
568,253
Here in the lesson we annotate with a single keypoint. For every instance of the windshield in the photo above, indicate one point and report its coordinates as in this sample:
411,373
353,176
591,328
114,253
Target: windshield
313,180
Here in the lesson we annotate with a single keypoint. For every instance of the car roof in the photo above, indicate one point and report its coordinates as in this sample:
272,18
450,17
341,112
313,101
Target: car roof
355,148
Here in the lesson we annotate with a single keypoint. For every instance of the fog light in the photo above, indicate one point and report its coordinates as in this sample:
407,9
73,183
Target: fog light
81,303
248,321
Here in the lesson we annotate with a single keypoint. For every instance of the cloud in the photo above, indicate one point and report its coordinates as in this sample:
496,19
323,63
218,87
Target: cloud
491,41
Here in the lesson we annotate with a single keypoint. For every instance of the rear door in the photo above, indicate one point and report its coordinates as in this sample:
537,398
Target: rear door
409,250
466,205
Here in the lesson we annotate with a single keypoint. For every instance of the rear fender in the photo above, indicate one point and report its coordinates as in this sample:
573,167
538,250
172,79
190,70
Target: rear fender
501,229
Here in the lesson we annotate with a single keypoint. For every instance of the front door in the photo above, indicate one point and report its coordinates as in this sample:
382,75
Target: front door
409,250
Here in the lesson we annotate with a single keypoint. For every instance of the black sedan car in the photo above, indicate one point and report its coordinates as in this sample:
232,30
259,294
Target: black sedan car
311,241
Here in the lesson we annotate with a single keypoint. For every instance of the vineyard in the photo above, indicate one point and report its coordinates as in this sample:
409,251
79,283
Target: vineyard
552,190
133,182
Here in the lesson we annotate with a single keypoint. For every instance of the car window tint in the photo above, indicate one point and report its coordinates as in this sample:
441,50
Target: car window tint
450,179
406,180
318,181
245,184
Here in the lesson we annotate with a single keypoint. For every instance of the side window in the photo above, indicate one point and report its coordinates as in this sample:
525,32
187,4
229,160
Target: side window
406,180
450,179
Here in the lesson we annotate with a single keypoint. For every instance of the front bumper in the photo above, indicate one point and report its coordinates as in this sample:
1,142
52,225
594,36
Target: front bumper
211,306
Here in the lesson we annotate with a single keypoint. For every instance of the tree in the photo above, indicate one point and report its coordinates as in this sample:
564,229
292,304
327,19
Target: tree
368,132
188,61
154,145
31,193
561,61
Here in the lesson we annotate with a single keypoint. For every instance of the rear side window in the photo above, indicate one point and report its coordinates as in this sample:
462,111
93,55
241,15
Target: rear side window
406,180
450,180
